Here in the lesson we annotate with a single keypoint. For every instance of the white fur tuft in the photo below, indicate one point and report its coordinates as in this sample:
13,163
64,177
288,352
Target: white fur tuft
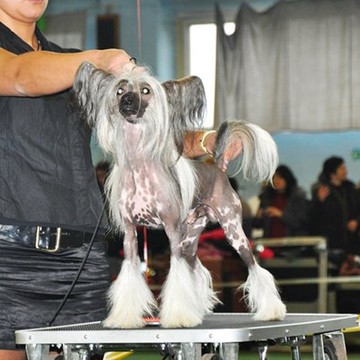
186,297
188,182
262,296
262,163
203,282
130,298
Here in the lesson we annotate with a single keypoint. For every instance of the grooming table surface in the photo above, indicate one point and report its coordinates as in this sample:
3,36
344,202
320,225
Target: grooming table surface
216,328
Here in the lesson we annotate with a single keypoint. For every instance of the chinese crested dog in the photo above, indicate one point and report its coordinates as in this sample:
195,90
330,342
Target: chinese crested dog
141,123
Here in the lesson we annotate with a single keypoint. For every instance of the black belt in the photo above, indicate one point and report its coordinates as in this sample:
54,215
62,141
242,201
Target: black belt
48,239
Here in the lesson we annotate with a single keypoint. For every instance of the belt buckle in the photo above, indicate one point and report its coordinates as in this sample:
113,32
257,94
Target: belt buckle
57,241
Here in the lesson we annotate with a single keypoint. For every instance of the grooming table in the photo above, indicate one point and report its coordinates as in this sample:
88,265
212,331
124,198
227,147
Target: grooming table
221,332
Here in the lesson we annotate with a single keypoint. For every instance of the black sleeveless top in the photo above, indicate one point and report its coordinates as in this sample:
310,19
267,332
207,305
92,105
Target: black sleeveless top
46,173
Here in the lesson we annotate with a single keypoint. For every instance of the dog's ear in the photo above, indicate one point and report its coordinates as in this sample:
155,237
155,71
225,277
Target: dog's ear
187,99
89,87
187,105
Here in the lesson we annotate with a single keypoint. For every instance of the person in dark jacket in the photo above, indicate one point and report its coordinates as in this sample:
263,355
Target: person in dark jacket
335,210
49,199
283,207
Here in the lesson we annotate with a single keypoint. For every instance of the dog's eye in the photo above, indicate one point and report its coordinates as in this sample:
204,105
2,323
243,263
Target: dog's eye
120,91
145,91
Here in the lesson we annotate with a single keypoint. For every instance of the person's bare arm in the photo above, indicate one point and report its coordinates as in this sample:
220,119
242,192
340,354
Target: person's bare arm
201,142
39,73
192,146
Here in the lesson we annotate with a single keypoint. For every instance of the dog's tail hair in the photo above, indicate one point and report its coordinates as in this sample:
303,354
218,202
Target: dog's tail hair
259,151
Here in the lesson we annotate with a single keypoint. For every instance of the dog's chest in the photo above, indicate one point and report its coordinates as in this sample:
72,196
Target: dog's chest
142,198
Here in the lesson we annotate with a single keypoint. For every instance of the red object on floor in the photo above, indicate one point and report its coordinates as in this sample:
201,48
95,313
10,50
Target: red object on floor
219,234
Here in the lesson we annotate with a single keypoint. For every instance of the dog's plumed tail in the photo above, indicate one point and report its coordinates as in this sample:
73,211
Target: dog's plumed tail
258,149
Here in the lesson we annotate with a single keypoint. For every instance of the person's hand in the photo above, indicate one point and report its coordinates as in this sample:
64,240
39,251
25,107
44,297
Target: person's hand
273,211
352,225
114,60
323,192
260,213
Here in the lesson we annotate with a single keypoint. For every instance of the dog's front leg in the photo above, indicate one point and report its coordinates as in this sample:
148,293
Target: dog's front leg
187,294
130,298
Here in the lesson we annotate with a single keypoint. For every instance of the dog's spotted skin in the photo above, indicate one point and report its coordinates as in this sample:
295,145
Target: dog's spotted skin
139,200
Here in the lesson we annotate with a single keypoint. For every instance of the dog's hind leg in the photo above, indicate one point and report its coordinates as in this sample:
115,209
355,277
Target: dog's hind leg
130,298
187,294
260,290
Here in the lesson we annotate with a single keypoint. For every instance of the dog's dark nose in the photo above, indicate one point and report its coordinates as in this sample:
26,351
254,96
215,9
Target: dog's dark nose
129,105
127,99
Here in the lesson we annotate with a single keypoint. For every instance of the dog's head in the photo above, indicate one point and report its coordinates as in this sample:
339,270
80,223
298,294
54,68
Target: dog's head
162,112
133,99
127,94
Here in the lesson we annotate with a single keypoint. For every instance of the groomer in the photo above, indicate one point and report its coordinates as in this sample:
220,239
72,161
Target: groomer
49,199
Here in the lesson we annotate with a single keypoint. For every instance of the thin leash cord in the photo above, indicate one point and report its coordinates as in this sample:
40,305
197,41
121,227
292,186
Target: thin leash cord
80,268
139,29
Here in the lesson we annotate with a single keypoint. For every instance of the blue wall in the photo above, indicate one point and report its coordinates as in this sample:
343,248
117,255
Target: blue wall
303,152
158,24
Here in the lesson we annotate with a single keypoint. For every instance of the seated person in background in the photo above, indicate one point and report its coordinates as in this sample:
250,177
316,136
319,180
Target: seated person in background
283,207
335,210
351,266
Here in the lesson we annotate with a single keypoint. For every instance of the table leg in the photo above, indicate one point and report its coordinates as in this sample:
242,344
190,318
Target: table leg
294,343
190,351
37,352
263,350
75,353
229,351
331,345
